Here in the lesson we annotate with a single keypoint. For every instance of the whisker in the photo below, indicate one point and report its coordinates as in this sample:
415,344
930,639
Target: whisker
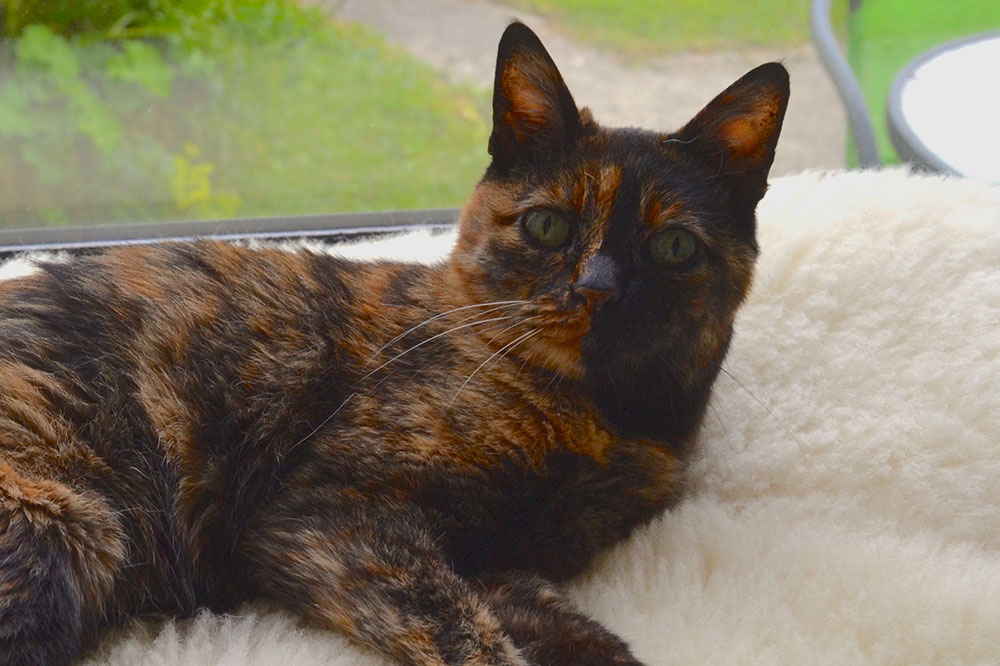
434,337
520,338
527,357
555,376
500,304
514,325
390,374
721,425
513,348
761,403
321,424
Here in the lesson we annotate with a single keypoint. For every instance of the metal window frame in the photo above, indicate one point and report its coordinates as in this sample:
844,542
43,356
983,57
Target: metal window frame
331,227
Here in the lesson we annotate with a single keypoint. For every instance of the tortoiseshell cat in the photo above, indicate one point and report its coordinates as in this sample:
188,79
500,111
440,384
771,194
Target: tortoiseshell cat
412,455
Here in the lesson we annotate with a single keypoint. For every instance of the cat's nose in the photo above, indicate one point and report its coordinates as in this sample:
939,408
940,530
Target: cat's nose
599,280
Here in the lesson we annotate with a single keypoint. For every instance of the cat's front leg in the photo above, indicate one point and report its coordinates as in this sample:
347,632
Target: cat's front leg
546,627
369,567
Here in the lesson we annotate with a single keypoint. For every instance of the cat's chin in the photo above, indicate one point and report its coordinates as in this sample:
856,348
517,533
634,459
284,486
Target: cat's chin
556,354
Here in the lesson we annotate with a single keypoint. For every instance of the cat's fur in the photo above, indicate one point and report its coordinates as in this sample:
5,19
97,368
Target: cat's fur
412,455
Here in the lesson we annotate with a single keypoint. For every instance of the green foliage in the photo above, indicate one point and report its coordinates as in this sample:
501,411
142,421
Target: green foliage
51,68
68,17
193,190
40,47
15,117
216,108
142,64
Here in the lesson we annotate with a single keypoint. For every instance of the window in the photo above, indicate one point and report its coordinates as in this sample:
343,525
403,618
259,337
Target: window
279,114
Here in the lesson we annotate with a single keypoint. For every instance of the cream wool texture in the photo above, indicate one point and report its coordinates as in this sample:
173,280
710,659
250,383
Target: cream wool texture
844,507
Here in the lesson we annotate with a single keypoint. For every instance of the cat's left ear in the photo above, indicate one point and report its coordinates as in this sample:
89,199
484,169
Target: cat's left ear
738,130
533,111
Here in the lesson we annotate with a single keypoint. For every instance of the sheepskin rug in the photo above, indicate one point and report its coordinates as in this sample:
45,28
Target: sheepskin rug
845,503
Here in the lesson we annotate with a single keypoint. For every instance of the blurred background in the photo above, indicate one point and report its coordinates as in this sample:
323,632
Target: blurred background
155,110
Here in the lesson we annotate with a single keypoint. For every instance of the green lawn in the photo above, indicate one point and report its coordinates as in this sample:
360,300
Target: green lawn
655,26
235,108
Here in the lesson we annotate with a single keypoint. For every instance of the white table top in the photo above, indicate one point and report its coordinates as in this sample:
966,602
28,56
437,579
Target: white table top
952,103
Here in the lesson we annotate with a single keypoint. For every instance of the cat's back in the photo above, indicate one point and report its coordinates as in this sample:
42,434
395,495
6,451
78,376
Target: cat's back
145,292
168,381
243,344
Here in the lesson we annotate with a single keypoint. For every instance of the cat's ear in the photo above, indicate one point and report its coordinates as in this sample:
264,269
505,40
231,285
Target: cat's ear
533,112
738,130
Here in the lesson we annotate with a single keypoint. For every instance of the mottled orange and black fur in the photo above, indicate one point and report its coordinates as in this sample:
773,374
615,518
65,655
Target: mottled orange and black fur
412,455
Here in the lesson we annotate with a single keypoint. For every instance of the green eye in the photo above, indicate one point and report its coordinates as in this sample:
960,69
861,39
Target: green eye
547,227
672,247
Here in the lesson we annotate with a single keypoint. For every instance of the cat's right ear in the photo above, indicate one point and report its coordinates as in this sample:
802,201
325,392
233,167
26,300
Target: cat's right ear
533,111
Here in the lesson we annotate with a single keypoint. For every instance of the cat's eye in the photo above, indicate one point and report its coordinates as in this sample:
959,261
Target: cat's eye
672,247
546,227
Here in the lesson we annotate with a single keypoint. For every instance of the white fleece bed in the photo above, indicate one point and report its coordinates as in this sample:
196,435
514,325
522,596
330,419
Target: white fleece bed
845,504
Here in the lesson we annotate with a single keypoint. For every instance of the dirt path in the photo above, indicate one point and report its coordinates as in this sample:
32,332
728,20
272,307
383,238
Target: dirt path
459,37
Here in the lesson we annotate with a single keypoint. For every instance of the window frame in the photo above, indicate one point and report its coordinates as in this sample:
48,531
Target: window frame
334,227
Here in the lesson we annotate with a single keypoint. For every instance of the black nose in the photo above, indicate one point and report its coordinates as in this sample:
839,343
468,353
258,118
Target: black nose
599,280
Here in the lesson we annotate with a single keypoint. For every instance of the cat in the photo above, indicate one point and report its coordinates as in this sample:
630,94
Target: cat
413,455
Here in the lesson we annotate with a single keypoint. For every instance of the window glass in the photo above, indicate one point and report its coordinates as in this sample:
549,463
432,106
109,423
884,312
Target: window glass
132,110
115,111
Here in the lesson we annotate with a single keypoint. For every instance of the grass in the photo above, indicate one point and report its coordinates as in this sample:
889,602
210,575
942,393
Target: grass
242,108
658,26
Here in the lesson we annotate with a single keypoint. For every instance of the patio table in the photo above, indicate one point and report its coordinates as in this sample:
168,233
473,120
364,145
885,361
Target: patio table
944,108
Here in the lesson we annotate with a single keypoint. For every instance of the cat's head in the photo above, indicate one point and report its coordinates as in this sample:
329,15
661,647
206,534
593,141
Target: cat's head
634,248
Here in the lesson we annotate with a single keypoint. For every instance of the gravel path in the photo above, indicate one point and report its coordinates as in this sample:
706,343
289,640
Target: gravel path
459,37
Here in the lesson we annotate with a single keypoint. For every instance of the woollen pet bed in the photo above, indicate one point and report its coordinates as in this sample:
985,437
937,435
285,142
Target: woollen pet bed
845,500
